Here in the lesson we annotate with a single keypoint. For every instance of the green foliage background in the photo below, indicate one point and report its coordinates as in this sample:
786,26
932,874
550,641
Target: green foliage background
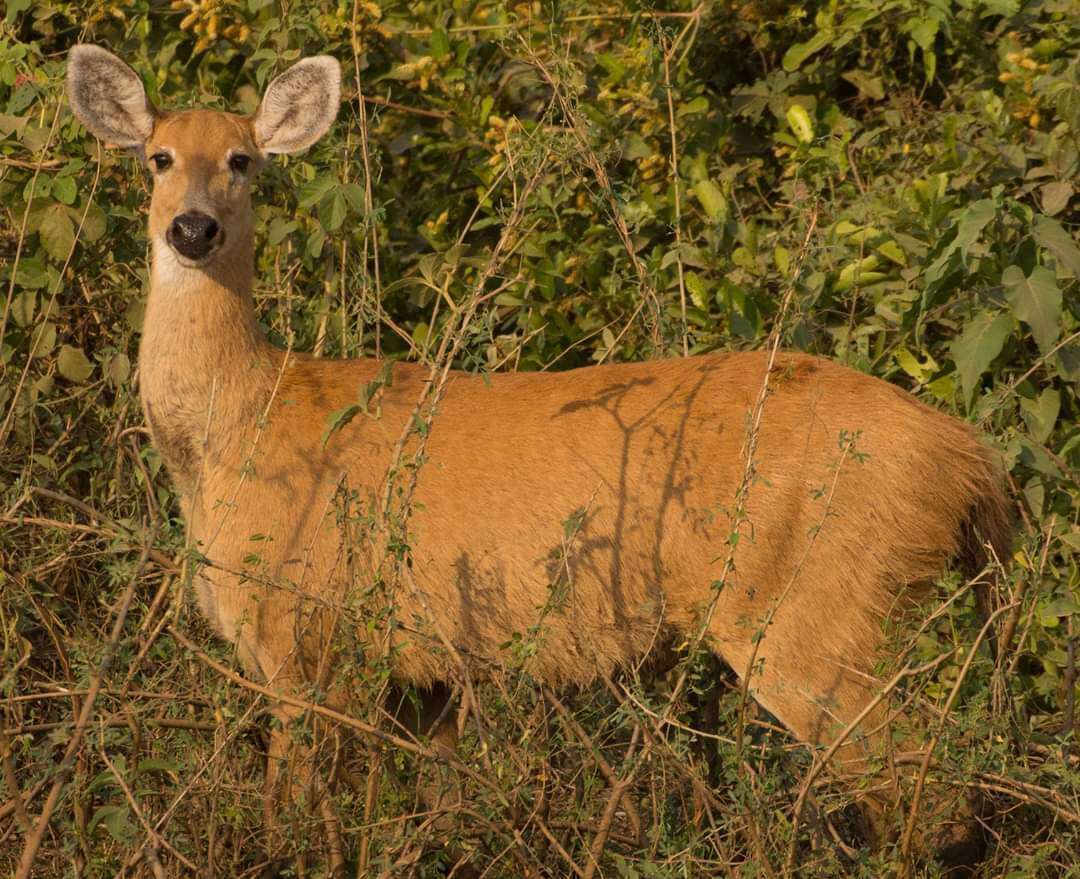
905,170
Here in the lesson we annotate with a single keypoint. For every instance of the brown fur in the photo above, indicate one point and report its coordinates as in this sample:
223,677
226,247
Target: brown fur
653,452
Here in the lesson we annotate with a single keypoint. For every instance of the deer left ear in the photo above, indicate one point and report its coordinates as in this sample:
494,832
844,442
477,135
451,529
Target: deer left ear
299,106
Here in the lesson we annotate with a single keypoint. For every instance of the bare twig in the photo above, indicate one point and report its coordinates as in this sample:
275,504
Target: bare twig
158,841
616,796
97,679
676,189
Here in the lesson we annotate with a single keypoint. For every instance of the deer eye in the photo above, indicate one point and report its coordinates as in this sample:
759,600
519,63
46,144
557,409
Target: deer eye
161,161
240,163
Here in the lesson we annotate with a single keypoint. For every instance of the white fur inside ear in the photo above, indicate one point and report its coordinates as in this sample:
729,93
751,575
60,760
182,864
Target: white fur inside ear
108,97
299,106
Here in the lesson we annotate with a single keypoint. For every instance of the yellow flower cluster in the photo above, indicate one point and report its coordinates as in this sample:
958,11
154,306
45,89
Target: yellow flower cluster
368,22
211,20
498,134
438,224
1020,73
653,166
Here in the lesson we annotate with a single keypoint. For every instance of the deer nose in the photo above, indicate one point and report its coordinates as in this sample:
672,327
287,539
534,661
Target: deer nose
194,235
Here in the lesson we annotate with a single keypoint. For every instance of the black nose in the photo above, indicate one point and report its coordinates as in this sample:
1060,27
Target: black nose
194,235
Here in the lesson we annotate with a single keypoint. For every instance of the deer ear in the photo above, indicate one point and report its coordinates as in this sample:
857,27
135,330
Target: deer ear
299,106
108,97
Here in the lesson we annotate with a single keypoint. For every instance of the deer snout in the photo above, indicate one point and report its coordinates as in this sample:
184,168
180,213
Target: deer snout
194,235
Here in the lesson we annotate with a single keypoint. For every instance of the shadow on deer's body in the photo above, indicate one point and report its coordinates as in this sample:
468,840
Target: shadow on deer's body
859,492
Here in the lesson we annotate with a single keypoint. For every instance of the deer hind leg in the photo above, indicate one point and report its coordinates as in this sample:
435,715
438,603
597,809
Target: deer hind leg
436,716
433,716
824,692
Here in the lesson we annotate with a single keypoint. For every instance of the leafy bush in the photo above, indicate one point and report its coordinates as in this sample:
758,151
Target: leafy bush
900,173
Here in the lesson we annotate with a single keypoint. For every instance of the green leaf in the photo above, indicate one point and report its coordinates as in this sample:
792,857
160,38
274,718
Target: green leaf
280,228
868,86
917,369
73,364
1041,414
64,190
923,33
699,294
891,250
332,211
1064,606
860,272
157,764
115,819
801,124
94,223
119,368
313,191
340,419
1055,196
700,104
636,147
972,221
711,198
440,43
354,195
56,231
14,7
23,308
798,53
1036,300
1051,235
32,274
969,225
782,258
43,340
976,347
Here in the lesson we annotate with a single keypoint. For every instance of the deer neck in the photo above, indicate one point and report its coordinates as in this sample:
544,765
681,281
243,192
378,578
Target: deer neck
205,368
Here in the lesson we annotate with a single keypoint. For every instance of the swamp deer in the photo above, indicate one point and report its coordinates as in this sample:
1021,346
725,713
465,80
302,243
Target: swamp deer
857,495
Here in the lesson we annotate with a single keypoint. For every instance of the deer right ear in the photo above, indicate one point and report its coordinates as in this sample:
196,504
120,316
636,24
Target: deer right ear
108,97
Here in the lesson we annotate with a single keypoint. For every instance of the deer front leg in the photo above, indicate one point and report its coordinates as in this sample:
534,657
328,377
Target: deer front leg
299,784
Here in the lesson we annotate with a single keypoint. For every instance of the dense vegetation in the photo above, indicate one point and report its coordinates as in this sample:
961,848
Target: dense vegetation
888,183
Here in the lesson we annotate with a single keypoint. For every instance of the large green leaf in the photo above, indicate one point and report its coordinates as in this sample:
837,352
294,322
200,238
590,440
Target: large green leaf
73,364
43,339
332,210
868,85
1052,235
976,347
1041,414
973,220
970,222
57,231
798,53
1036,300
94,222
313,191
711,198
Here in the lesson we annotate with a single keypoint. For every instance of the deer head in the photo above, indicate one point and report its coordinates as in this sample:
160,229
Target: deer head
202,161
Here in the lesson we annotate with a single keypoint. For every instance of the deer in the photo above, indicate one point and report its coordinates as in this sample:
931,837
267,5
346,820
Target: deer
852,495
